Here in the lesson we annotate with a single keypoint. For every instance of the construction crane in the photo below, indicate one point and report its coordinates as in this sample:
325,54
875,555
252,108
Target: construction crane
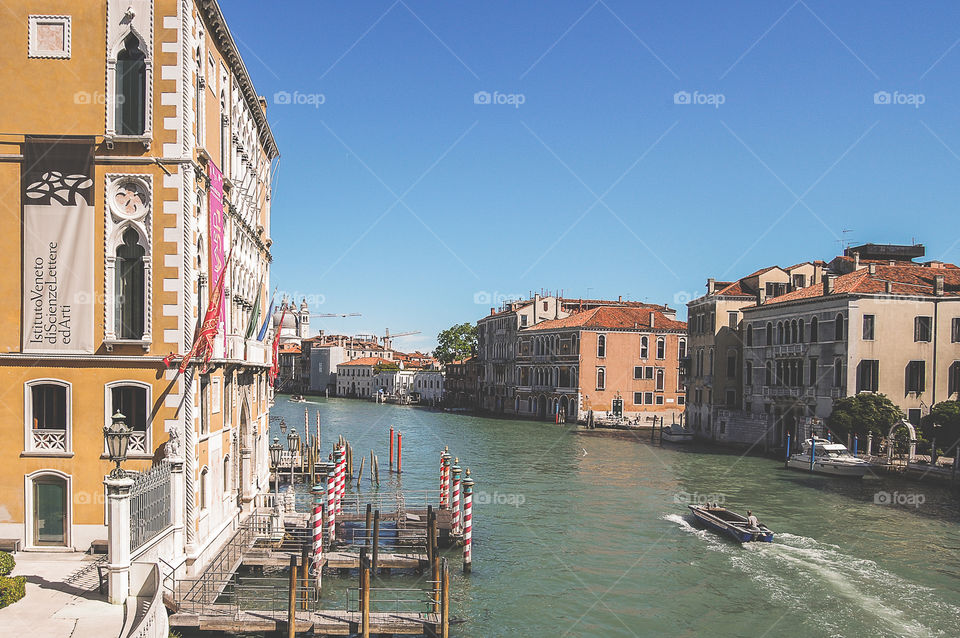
388,338
335,314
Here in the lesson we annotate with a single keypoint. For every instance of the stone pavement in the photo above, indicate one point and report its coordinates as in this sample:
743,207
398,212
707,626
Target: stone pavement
62,599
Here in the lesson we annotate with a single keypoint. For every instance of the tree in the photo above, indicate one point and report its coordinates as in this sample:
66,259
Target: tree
863,414
943,423
456,342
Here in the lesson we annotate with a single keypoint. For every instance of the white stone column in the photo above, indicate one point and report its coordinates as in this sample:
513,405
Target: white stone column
246,472
118,536
177,498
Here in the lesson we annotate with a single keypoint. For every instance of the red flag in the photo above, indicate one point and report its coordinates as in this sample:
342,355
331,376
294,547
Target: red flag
275,366
203,343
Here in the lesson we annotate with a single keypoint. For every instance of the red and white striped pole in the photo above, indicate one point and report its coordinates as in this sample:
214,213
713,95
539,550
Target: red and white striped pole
455,505
341,477
331,507
317,525
444,479
467,522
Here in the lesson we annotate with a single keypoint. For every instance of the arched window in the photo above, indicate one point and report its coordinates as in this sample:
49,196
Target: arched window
48,416
749,334
814,330
801,332
769,334
204,474
661,348
838,373
838,330
768,374
748,374
659,380
226,474
129,297
131,400
644,347
793,331
780,332
131,88
601,378
682,348
601,346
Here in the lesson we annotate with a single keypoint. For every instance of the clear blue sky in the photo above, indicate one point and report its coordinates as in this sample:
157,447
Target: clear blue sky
401,198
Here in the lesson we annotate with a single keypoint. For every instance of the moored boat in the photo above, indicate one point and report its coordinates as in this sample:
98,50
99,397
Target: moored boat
676,433
822,456
729,523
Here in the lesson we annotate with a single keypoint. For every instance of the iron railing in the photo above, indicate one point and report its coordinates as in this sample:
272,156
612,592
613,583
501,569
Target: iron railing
149,505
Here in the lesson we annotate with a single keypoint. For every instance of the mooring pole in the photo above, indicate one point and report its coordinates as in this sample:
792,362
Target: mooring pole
376,470
292,599
368,530
399,452
437,586
319,443
342,480
360,473
304,572
317,534
444,600
365,602
786,460
376,540
455,505
391,447
331,507
429,531
467,522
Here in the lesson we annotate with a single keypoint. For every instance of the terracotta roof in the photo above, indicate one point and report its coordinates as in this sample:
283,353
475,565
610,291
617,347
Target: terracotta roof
762,270
905,279
289,347
366,361
734,289
613,317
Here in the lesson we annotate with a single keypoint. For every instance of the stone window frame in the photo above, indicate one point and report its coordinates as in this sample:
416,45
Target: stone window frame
28,448
33,22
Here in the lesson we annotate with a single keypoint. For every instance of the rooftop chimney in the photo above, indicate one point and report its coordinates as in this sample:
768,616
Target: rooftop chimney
888,287
711,285
653,316
493,311
620,298
872,269
856,261
828,284
938,285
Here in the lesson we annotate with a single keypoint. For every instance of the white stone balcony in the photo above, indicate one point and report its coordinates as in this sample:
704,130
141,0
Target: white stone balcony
46,440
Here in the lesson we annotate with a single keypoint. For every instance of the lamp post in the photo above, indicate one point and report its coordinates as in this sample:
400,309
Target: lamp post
275,449
117,436
283,426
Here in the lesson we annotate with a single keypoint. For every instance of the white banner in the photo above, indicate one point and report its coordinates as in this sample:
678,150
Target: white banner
58,216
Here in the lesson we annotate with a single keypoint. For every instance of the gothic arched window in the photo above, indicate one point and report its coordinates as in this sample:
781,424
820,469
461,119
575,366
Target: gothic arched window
131,88
129,300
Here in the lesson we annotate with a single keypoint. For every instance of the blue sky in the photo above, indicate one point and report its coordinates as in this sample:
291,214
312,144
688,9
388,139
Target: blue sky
400,197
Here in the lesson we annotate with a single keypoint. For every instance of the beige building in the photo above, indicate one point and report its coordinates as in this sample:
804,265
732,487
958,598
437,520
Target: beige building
886,326
714,379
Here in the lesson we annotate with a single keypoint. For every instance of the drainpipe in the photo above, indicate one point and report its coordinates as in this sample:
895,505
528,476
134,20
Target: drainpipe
938,292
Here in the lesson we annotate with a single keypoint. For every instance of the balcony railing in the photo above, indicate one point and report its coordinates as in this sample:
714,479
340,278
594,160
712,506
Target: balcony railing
44,440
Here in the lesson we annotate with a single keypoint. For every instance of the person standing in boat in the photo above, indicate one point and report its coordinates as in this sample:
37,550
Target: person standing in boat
752,520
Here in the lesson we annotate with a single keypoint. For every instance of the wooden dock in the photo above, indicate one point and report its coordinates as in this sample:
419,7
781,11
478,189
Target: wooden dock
323,622
335,560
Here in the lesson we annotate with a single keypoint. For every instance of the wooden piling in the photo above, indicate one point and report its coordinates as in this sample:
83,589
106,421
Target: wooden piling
445,600
391,447
429,535
304,572
360,473
376,470
436,586
365,603
367,530
292,599
376,540
349,460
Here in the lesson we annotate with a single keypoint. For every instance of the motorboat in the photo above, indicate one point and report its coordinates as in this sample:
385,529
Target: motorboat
729,523
823,456
298,398
676,433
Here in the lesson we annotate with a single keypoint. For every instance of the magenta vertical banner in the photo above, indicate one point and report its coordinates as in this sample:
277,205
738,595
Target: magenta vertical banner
217,252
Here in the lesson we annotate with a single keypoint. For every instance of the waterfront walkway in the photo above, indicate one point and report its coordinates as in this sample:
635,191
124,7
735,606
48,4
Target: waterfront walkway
62,598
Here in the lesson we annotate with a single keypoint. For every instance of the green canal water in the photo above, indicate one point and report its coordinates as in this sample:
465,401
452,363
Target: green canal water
587,534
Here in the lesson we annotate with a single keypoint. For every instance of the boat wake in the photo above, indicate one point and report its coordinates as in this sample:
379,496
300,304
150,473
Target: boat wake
838,594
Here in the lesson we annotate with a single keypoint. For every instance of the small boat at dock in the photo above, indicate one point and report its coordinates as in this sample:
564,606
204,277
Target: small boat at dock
822,456
729,523
298,398
676,433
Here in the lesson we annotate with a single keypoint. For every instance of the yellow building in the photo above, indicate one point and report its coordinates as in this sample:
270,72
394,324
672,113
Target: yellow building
118,119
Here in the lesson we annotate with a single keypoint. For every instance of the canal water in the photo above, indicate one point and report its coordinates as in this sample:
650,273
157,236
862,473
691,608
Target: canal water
587,534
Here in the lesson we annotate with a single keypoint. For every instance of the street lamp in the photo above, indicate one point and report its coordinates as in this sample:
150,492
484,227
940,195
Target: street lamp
283,426
275,449
293,444
117,436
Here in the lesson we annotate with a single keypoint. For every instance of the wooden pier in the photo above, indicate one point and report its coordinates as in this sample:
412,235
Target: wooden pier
324,622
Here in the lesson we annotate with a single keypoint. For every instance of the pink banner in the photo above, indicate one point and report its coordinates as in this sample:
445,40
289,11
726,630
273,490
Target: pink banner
217,252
